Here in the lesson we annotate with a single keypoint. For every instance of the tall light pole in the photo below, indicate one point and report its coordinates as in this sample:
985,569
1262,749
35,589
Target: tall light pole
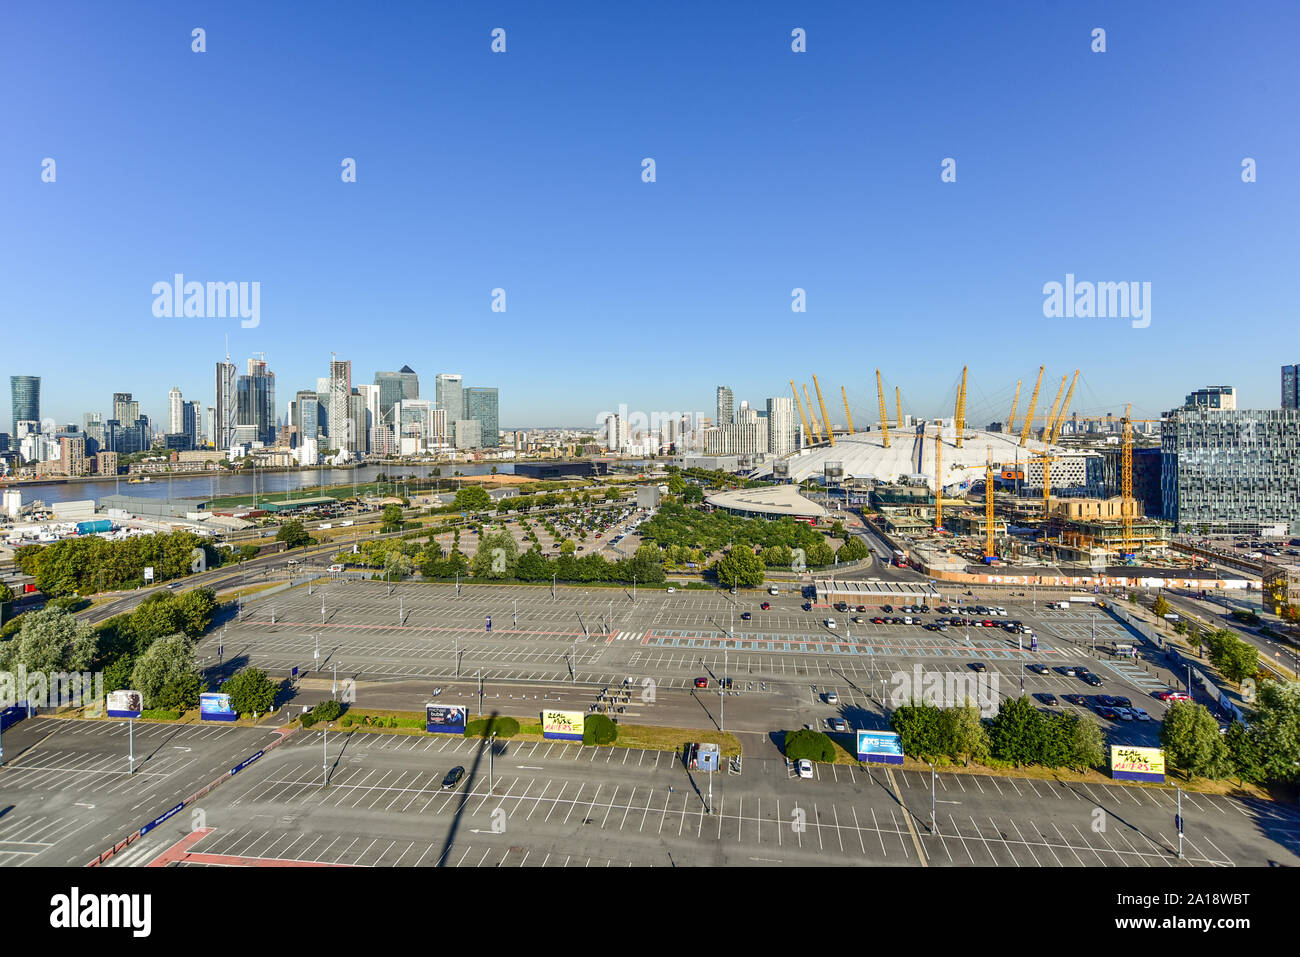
933,802
491,749
1178,822
325,756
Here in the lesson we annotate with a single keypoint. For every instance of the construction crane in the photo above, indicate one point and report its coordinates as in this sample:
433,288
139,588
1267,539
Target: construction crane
1047,460
884,413
1029,413
1054,428
1126,485
1011,419
959,418
826,419
938,475
807,435
812,414
988,503
847,414
898,404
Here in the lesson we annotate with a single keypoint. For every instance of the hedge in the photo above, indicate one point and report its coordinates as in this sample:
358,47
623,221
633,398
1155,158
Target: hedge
813,745
483,727
599,729
160,714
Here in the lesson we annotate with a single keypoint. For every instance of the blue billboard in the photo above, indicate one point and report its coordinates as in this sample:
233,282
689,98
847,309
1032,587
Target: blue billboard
125,704
445,718
880,747
216,707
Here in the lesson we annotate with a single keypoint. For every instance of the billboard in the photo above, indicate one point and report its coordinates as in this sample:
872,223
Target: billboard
880,747
216,707
445,718
563,725
1131,763
125,704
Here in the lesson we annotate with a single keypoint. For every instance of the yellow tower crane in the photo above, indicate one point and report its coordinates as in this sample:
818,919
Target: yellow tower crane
898,404
988,503
847,414
884,413
812,414
959,418
1011,419
1029,413
807,434
1054,428
938,475
826,419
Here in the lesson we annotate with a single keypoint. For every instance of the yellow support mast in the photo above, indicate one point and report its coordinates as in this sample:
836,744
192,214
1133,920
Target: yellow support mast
812,413
826,419
938,476
1029,413
1011,419
988,504
884,413
1051,416
959,417
807,434
898,404
847,414
1060,416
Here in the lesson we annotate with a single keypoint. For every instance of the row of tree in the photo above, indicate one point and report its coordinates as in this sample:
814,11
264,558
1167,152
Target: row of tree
1268,750
1018,734
86,564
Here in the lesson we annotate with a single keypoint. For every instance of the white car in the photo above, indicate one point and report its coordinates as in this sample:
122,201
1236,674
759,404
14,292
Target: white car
1140,714
672,591
804,767
830,623
832,698
1124,713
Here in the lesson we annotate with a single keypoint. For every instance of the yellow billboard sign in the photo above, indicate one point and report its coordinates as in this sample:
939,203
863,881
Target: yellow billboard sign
1131,763
564,725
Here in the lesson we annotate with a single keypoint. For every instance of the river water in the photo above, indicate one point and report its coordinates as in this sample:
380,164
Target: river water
216,485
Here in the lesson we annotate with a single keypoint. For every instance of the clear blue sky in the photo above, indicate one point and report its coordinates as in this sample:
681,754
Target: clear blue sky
775,170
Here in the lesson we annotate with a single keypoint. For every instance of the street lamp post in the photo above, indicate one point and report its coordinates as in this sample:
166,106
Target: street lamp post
491,750
1179,822
325,756
933,802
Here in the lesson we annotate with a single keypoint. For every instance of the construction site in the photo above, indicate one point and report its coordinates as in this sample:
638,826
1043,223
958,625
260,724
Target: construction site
1040,490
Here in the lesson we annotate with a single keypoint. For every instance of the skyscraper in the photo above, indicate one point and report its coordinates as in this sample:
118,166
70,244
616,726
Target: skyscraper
175,416
481,405
395,387
25,394
449,395
125,409
191,422
255,404
726,406
339,411
223,424
780,425
1291,387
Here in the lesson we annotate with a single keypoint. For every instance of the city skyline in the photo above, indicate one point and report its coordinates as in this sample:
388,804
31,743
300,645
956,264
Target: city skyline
846,143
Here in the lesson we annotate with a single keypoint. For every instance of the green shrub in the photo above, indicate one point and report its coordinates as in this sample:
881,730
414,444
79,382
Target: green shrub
308,720
160,714
805,743
483,727
327,710
599,729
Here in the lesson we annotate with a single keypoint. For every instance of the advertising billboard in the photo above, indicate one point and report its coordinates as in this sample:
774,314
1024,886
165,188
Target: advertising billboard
880,747
1131,763
125,704
216,707
563,725
445,718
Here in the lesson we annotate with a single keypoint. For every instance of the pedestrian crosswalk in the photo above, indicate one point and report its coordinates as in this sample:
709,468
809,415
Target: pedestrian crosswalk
627,636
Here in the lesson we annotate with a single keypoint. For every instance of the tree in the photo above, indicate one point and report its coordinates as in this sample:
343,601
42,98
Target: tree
496,556
599,729
1238,660
196,609
676,484
740,566
472,499
1191,739
166,660
51,640
853,550
1247,762
391,519
1275,730
1087,743
1017,733
181,692
837,530
6,602
250,691
969,739
293,534
1161,607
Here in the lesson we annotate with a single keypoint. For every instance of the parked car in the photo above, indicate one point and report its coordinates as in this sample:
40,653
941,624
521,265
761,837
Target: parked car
1038,669
701,682
1076,699
978,666
453,778
745,616
832,698
1047,698
1173,696
804,767
766,605
838,724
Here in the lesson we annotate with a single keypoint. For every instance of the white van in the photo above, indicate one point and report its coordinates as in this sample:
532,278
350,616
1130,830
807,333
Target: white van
773,590
830,623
